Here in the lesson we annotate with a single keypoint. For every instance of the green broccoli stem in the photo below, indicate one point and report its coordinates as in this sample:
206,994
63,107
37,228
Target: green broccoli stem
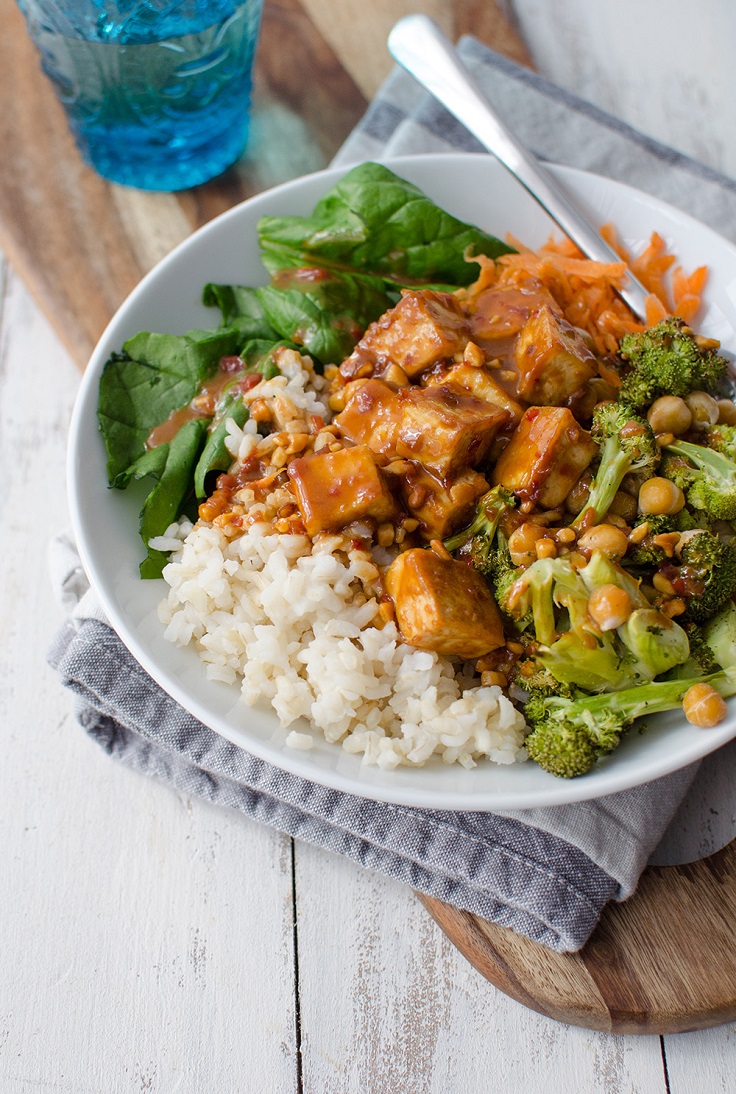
632,703
489,511
707,459
614,466
543,609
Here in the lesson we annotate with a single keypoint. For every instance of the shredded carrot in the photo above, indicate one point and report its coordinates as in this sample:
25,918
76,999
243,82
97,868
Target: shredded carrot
587,290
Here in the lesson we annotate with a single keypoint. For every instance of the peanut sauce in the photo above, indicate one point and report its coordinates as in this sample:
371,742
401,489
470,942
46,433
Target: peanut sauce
205,401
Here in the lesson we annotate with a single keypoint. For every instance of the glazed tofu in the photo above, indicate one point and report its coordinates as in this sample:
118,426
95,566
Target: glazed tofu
443,605
480,383
446,429
335,488
425,327
552,358
441,508
499,312
545,457
371,416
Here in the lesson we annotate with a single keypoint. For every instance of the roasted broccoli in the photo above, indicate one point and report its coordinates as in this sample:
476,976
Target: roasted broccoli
723,439
704,574
546,584
569,735
708,480
573,649
667,359
627,443
653,642
719,637
477,539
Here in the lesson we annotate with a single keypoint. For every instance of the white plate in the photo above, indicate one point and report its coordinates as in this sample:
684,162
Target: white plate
477,189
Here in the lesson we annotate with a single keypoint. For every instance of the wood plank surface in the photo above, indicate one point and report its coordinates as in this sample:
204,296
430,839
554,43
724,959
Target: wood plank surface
81,244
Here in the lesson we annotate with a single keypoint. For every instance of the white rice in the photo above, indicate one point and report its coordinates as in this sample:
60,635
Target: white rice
297,624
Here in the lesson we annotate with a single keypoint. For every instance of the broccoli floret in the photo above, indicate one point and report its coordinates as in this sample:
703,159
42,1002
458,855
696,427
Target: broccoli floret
573,649
646,552
477,539
701,661
709,482
540,684
667,359
546,584
627,443
501,575
722,438
706,575
652,642
719,637
569,735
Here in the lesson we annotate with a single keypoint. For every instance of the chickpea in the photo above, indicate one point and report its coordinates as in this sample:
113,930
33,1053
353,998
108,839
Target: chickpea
726,412
703,706
605,538
660,497
704,409
624,506
610,607
522,543
670,414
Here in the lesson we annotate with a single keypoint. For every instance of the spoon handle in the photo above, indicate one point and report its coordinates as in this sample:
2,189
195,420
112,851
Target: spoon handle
419,46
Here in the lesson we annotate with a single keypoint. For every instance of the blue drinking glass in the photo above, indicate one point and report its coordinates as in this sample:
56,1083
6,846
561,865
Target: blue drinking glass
157,92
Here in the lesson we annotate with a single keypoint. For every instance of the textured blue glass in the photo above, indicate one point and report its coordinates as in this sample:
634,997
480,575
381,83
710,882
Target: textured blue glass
157,93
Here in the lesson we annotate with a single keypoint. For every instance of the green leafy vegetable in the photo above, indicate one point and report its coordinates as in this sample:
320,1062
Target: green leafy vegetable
155,375
240,307
215,456
324,311
164,503
375,222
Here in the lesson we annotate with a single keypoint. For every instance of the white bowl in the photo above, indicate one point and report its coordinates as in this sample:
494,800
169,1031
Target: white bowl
477,189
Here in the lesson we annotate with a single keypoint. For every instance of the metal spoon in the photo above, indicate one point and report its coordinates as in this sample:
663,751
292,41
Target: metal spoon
420,47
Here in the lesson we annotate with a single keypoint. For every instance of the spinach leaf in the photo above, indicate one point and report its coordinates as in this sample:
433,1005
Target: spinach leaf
155,375
326,315
374,221
240,307
258,356
215,456
164,503
152,462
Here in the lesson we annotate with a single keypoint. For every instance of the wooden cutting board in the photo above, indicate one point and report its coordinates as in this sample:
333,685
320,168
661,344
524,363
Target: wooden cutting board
665,961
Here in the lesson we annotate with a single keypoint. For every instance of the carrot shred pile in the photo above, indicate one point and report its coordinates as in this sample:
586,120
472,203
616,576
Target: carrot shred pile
586,290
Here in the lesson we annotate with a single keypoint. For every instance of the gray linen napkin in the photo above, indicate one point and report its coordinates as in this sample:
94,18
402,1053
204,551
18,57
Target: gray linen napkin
546,873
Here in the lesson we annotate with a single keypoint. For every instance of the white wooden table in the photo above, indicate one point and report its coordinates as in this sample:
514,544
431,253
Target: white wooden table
149,942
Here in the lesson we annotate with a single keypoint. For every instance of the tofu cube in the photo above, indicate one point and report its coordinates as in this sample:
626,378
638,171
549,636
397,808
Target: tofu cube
481,383
498,312
335,488
371,416
425,327
552,358
446,429
545,457
441,508
443,605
